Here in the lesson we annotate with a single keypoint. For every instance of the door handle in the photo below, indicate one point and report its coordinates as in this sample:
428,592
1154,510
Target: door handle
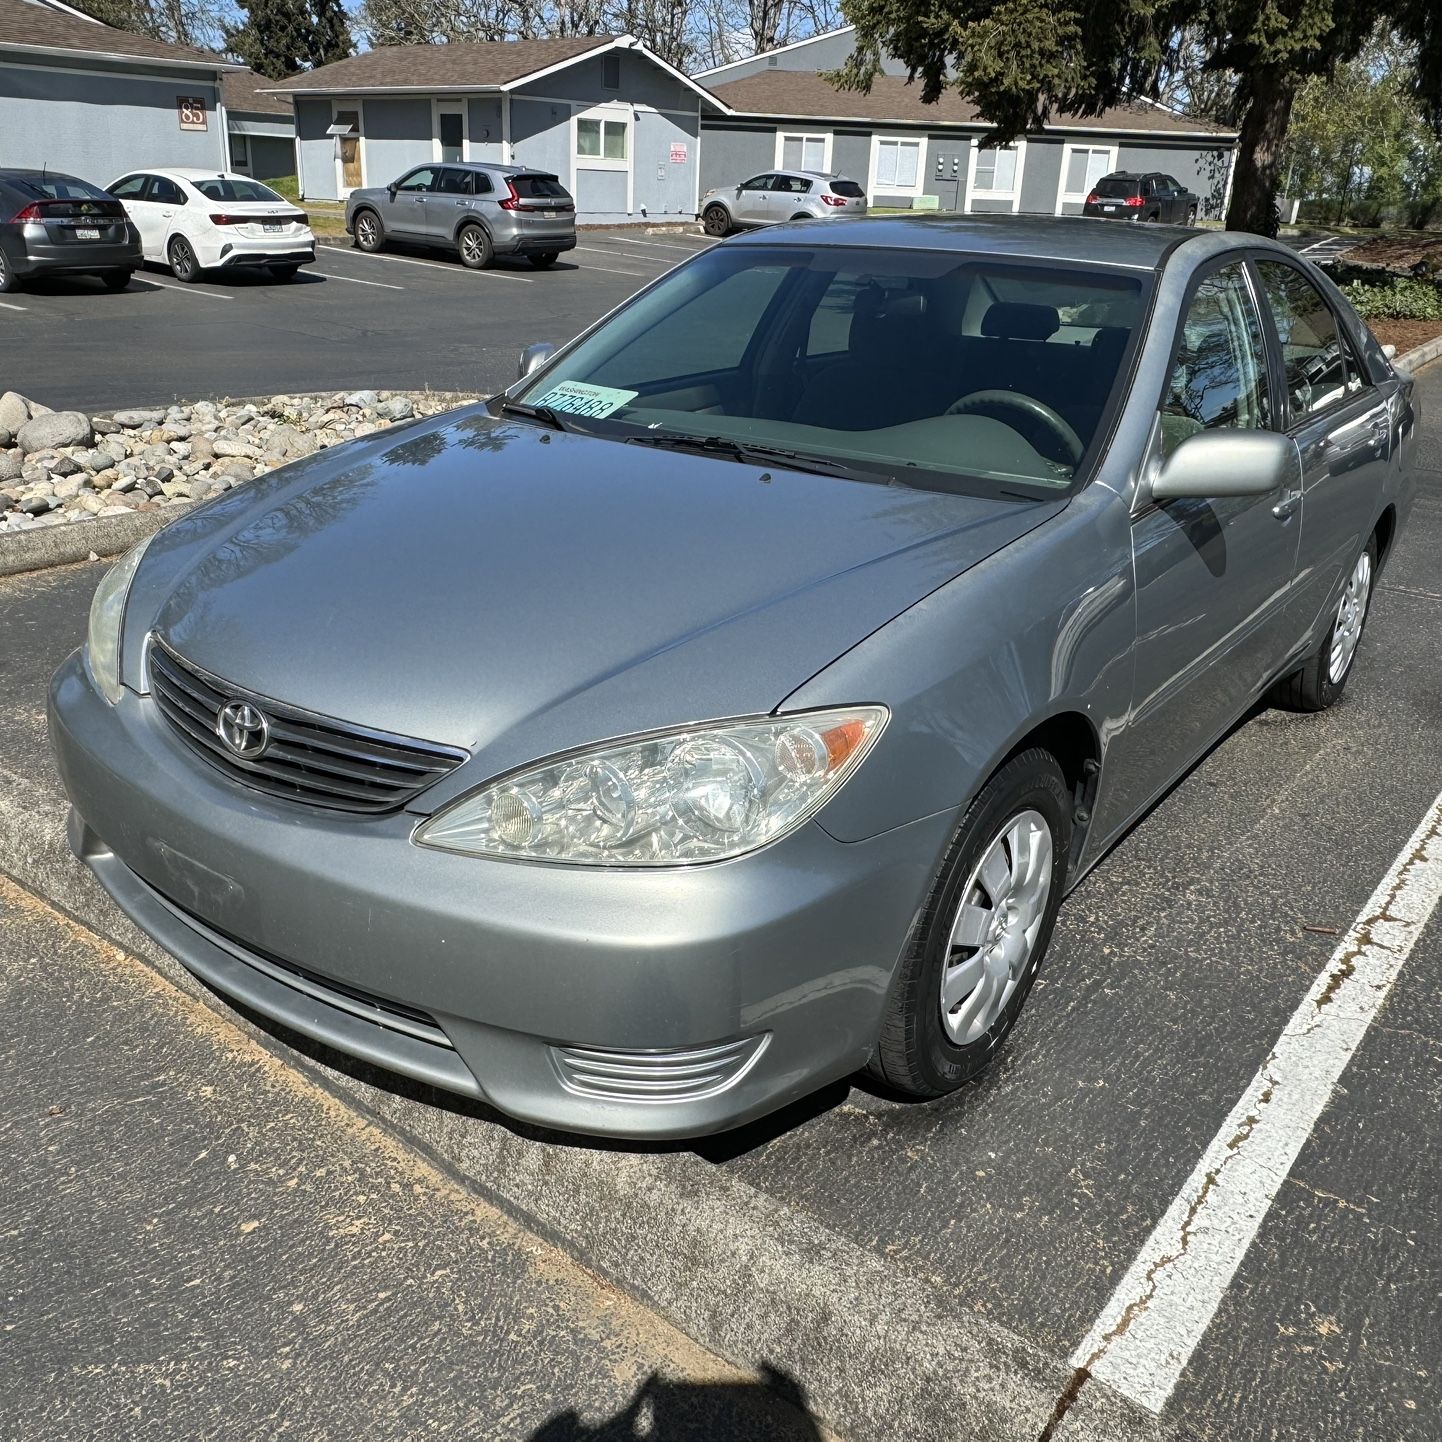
1287,505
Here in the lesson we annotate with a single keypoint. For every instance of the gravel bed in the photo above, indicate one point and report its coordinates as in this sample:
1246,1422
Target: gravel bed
58,467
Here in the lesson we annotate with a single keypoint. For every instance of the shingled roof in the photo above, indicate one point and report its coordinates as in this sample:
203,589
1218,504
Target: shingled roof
241,92
804,95
33,25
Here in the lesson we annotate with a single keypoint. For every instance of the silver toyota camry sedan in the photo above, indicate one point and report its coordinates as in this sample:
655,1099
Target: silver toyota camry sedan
730,704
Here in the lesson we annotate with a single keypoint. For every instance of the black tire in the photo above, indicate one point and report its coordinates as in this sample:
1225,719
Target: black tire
1314,688
801,215
115,279
544,259
475,246
369,235
716,221
183,264
283,272
1191,215
8,279
915,1054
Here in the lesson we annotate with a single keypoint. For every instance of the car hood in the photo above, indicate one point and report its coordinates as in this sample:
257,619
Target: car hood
518,591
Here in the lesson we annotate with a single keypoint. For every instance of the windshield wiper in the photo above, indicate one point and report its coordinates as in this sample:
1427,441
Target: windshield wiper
751,453
544,414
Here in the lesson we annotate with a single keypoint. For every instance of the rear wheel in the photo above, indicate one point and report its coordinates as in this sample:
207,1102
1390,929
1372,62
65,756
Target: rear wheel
974,953
8,282
716,220
115,279
284,272
183,264
1320,682
475,247
801,215
545,258
368,233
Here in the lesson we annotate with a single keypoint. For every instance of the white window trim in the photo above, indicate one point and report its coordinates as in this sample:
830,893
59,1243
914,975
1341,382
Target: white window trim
1065,196
1013,195
874,185
782,136
450,107
337,104
607,110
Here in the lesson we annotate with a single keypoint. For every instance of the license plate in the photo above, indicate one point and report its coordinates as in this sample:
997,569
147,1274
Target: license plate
1111,207
272,229
549,214
86,233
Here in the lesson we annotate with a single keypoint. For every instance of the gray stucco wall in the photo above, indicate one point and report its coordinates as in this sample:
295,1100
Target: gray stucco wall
1200,168
665,187
315,150
541,135
484,128
271,157
102,123
730,152
398,134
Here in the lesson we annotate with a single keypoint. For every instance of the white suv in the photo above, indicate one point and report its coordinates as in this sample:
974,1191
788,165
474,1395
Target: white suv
777,195
199,220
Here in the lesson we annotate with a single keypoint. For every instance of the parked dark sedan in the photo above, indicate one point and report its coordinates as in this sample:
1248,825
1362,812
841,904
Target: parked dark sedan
1129,195
729,705
54,224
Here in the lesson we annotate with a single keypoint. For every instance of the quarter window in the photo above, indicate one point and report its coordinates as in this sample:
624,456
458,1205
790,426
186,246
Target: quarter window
1219,378
1319,366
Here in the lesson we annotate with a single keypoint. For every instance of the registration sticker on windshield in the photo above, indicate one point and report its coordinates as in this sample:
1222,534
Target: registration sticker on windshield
579,399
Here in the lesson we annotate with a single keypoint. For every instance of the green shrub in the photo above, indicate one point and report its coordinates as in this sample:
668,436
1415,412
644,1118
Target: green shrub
1400,298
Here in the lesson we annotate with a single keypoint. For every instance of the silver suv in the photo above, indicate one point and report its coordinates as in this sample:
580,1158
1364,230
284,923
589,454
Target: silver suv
780,195
481,211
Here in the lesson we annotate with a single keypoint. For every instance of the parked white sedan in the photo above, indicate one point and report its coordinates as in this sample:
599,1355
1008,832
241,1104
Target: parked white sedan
199,220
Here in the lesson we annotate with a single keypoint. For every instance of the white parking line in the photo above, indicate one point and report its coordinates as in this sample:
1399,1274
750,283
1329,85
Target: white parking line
183,289
5,305
429,264
1148,1330
662,244
356,280
634,274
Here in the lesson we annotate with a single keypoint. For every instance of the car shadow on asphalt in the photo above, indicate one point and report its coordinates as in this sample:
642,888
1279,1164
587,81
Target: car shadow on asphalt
773,1410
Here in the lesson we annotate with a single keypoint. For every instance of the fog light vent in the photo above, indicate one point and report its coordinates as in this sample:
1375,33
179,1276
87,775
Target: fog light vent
656,1076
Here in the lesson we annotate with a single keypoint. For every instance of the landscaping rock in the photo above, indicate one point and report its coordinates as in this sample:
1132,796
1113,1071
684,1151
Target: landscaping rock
14,411
10,465
134,420
56,428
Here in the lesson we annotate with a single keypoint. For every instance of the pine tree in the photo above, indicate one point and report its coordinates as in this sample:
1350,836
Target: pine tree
279,37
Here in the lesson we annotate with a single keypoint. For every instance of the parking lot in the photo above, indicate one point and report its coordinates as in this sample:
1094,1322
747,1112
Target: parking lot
405,319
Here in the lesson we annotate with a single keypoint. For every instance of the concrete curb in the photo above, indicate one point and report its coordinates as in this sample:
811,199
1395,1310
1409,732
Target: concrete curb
67,541
879,1352
1420,355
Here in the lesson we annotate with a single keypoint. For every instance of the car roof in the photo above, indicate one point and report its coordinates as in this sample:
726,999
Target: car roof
17,172
805,174
1020,237
494,167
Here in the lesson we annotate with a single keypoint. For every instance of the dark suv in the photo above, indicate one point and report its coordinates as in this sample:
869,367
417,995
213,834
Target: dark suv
1147,195
479,210
54,224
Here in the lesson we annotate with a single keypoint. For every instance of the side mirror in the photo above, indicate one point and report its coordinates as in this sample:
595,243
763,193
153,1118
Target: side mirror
534,357
1213,464
391,190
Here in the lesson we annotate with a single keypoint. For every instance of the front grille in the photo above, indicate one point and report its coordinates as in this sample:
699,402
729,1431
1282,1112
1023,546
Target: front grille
311,759
655,1076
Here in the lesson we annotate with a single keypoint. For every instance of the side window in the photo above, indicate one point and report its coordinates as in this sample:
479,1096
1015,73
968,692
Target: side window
1219,378
758,182
454,182
483,184
1317,361
1173,183
130,188
165,192
418,180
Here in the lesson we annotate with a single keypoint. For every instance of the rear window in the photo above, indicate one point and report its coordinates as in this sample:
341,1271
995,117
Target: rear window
1110,186
57,187
539,187
237,190
846,187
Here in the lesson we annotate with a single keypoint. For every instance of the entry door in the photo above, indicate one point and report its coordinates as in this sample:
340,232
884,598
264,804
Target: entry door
1213,575
948,159
450,132
348,147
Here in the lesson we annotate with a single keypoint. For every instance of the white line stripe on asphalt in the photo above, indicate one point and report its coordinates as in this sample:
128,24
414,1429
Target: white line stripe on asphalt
5,305
662,244
356,280
429,264
1159,1313
634,274
183,289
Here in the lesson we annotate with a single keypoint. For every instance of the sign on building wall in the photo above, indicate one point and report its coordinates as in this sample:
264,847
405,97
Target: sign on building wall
678,152
192,112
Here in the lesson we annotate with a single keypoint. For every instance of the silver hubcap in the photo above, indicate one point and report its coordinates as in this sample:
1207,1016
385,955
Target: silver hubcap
471,244
998,920
1351,613
368,232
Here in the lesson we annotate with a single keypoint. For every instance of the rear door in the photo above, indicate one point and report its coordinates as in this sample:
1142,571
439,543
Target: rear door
405,211
1341,422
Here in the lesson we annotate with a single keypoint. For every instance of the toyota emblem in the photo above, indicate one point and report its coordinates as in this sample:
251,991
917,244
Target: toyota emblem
243,729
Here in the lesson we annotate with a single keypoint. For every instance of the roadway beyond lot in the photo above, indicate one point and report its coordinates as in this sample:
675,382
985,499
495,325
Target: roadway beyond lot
1030,1200
403,320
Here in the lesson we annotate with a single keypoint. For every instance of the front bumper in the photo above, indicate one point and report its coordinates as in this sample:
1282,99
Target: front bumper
519,984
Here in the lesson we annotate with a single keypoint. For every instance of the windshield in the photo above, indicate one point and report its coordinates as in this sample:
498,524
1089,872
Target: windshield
238,191
923,367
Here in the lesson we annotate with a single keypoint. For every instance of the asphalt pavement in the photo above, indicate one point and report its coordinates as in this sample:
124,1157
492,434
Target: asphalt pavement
196,1241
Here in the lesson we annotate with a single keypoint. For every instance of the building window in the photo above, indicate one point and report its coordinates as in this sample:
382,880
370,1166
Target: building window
601,139
1081,167
804,150
239,153
611,71
898,166
995,175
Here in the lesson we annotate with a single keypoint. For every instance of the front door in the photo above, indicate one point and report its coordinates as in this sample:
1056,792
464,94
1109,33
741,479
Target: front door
752,199
348,149
948,171
451,132
1213,576
405,207
1342,426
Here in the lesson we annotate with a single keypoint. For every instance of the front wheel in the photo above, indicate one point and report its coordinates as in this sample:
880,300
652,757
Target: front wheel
183,264
546,258
716,221
1191,215
475,247
1320,682
368,235
8,281
972,957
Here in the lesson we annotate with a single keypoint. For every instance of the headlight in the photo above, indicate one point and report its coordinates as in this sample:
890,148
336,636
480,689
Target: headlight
102,641
698,794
